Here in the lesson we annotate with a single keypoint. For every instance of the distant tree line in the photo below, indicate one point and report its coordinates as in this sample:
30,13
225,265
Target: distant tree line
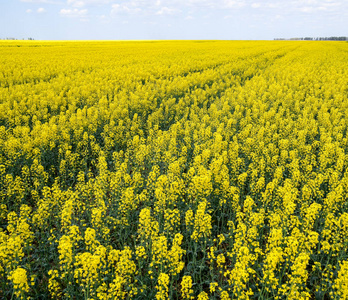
332,38
14,39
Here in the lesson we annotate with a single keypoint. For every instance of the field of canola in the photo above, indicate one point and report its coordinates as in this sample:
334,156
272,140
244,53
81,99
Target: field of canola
174,170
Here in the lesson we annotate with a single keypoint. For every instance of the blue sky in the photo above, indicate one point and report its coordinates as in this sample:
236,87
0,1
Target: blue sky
172,19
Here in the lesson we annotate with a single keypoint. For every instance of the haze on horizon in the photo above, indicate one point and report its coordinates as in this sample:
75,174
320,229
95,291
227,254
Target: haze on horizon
172,19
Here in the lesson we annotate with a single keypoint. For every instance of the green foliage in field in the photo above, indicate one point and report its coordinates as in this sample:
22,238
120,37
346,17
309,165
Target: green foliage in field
173,170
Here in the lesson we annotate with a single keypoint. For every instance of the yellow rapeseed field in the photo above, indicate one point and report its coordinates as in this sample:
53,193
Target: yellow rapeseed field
174,170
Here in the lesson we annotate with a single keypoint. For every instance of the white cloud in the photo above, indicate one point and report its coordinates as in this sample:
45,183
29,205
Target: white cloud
73,12
167,7
126,8
41,10
202,3
173,7
233,4
146,7
294,6
167,11
76,3
218,4
104,19
307,9
256,5
151,23
42,1
313,6
269,17
82,3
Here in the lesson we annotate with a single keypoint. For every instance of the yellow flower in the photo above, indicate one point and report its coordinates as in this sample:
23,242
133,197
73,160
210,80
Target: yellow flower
220,260
65,249
186,288
148,226
159,251
221,238
203,296
189,218
90,239
341,282
162,287
225,296
202,223
53,285
175,255
140,252
213,286
20,282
